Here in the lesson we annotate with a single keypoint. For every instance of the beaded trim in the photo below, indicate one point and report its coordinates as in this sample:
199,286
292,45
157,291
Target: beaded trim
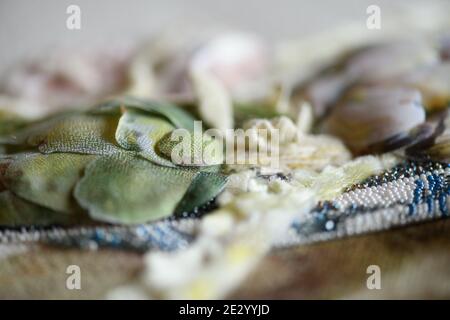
165,235
409,193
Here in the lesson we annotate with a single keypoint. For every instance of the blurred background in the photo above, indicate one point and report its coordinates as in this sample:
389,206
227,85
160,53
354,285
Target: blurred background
27,27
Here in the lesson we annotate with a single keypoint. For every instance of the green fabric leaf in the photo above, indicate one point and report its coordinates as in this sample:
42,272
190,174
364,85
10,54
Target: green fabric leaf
20,135
140,132
178,117
189,150
15,212
205,187
123,188
70,132
44,179
9,122
244,112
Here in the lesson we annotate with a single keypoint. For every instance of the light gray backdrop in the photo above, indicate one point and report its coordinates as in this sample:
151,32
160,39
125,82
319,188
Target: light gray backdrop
30,26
